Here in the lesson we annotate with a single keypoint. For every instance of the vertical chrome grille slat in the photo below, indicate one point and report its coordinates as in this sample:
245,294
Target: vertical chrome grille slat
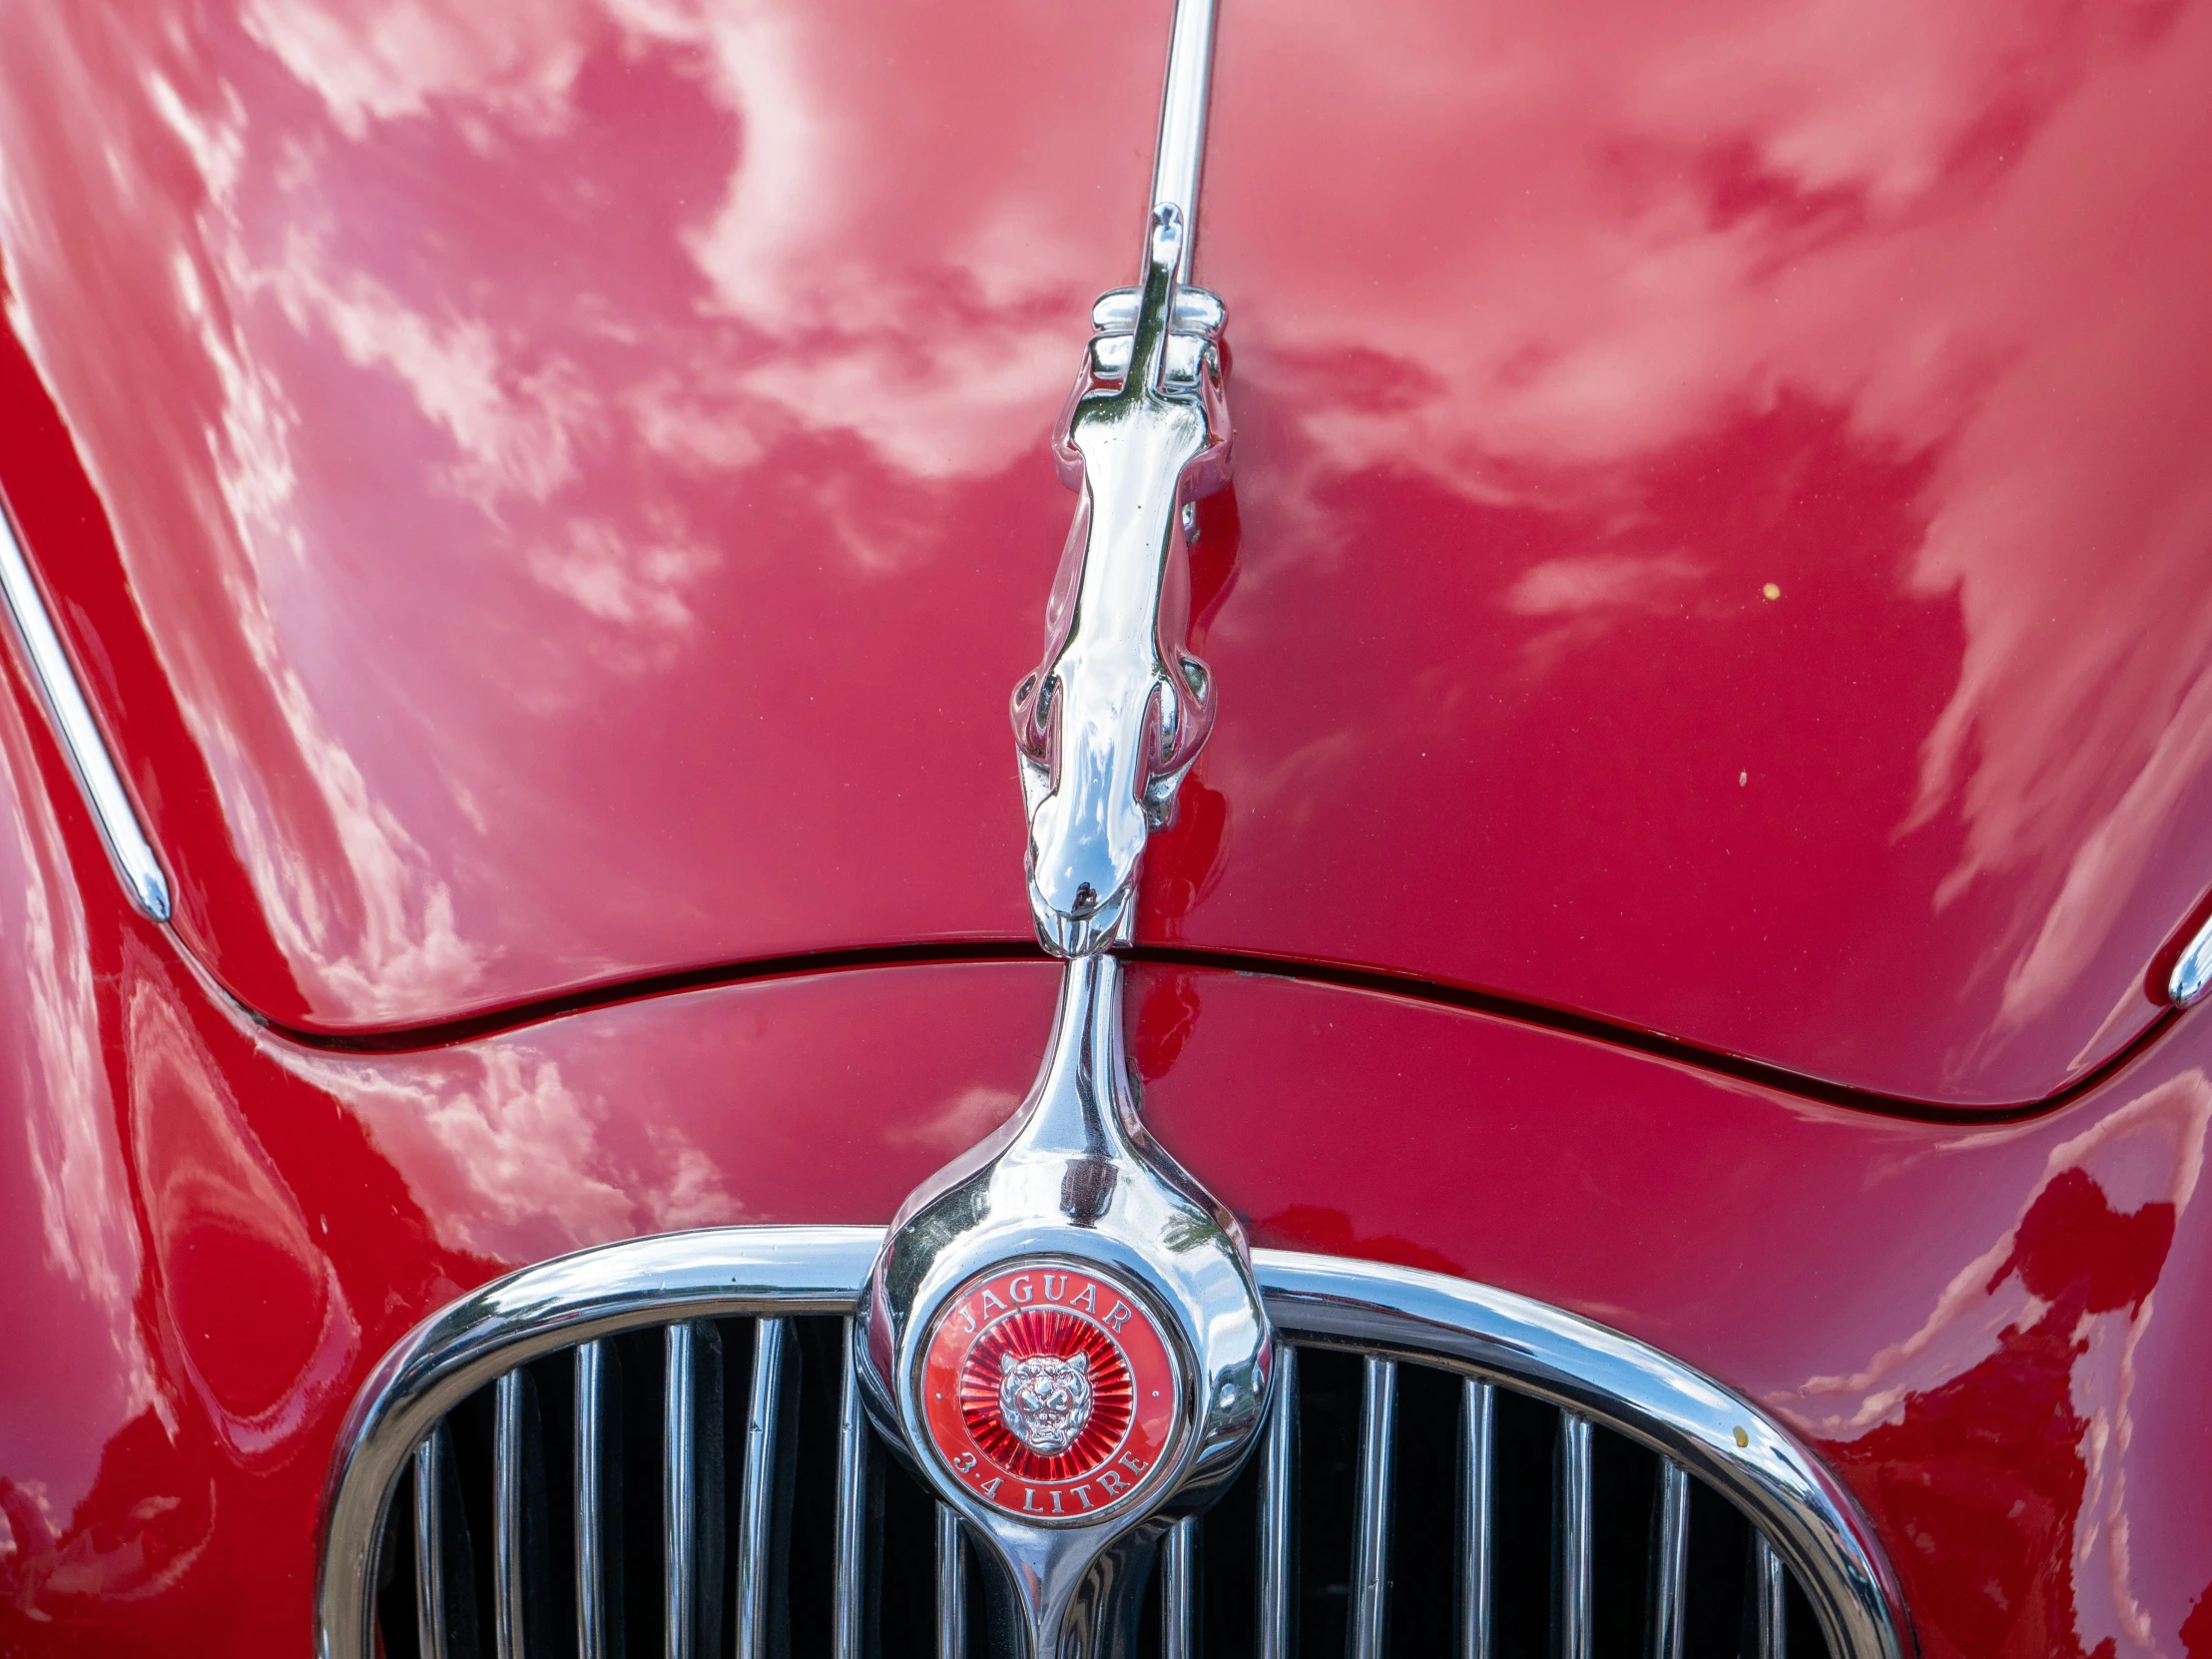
1277,1496
1770,1583
679,1495
1478,1486
852,1449
951,1588
1179,1590
756,1517
590,1467
1670,1560
508,1636
429,1542
1571,1539
1370,1574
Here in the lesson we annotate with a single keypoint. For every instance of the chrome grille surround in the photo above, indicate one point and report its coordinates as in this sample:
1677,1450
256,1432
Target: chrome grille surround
1805,1526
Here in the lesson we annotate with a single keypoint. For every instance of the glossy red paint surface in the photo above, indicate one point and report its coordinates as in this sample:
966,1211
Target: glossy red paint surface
566,491
1995,1332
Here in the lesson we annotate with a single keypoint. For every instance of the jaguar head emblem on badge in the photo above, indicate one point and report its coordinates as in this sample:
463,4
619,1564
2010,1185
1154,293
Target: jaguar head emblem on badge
1049,1392
1062,1327
1046,1401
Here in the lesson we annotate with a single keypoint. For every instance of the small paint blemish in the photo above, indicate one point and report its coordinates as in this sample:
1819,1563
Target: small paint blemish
1773,589
1742,779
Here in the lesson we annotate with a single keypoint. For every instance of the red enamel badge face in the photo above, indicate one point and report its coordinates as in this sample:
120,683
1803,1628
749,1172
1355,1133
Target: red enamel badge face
1049,1391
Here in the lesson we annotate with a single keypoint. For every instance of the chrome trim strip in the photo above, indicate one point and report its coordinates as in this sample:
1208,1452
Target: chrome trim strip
429,1542
506,1538
1487,1334
1179,1590
755,1519
1371,1568
82,740
591,1452
1815,1524
1770,1583
951,1587
1180,157
1572,1543
1277,1512
1670,1559
679,1495
847,1633
2192,971
1477,1505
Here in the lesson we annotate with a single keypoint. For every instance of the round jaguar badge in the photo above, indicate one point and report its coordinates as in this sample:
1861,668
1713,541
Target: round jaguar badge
1049,1391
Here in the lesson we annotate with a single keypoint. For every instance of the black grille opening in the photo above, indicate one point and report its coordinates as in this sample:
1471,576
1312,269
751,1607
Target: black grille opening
785,1553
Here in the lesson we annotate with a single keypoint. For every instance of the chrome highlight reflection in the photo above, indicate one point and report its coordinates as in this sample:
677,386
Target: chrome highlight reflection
82,742
2192,974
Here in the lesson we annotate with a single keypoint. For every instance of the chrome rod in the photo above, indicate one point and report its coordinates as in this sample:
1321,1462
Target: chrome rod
852,1431
1181,156
591,1453
756,1502
1371,1571
1670,1560
430,1545
1769,1582
1278,1510
82,740
506,1538
1571,1540
679,1495
1477,1483
951,1588
1179,1590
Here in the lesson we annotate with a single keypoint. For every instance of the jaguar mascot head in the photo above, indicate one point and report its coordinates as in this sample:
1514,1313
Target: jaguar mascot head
1045,1400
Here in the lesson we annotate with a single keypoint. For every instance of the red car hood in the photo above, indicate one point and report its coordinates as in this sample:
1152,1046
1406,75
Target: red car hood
545,496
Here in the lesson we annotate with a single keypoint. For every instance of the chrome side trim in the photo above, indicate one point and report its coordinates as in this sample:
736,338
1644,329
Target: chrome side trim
2192,974
1179,1590
1815,1524
1487,1335
1181,153
951,1587
591,1504
848,1634
1371,1568
82,740
1477,1495
1572,1539
755,1514
506,1540
429,1542
1277,1513
1670,1559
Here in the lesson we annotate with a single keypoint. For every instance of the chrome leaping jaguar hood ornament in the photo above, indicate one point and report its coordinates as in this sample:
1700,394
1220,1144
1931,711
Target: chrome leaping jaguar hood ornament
1063,1326
1111,721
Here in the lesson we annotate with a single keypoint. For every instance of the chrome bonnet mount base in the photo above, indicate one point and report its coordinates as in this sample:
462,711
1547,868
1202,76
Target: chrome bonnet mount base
1071,1217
